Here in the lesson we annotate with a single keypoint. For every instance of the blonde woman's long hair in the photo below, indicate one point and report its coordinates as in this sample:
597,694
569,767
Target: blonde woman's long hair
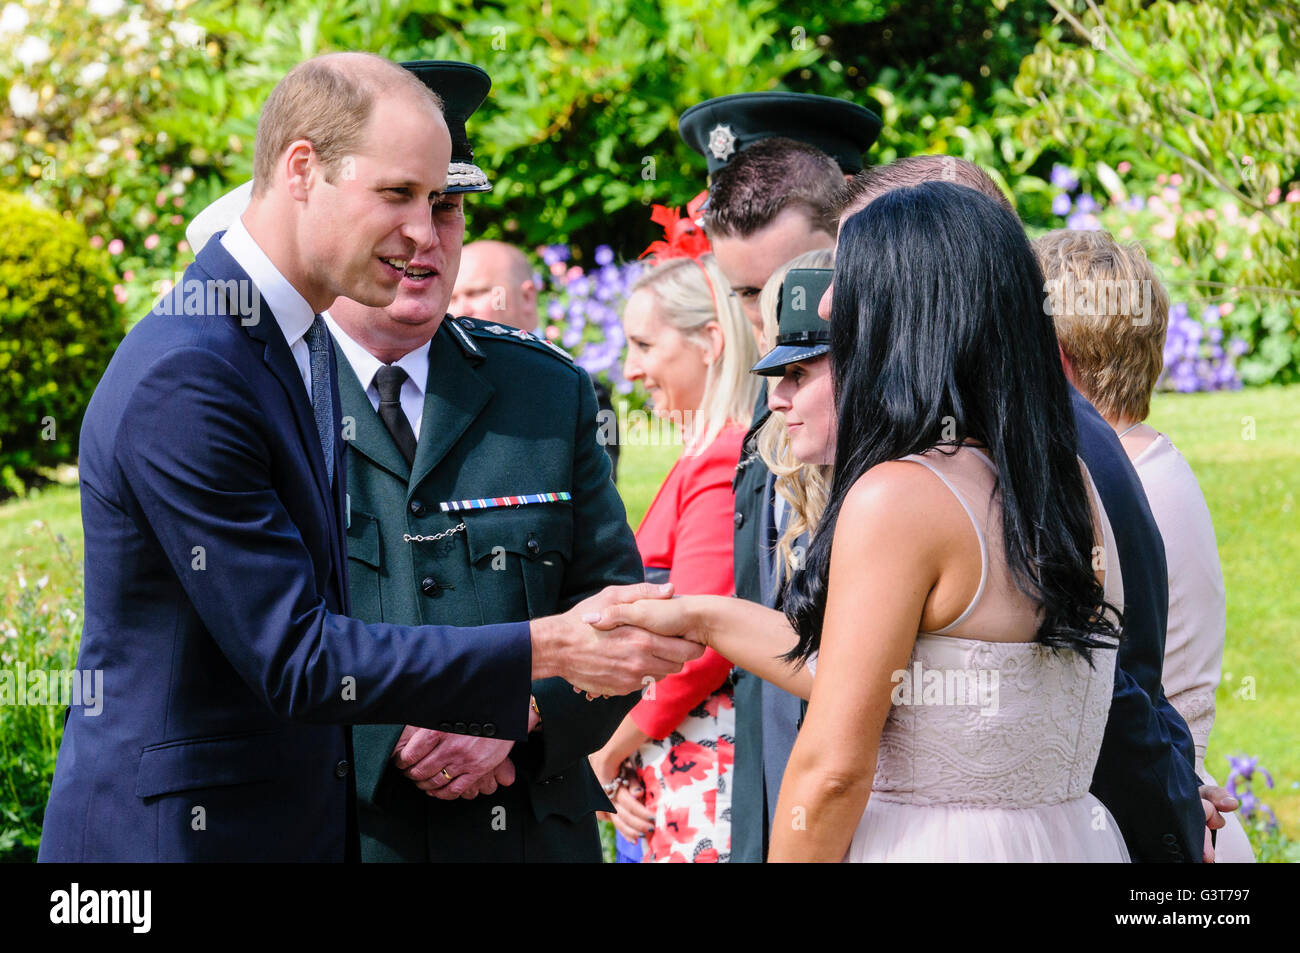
804,486
690,293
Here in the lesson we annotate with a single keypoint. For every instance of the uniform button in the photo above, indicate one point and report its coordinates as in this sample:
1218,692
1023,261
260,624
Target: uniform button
461,728
533,546
738,519
417,508
475,728
489,729
1170,839
429,586
341,769
444,726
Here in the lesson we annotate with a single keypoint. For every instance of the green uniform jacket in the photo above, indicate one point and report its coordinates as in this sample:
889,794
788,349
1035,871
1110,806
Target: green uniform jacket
504,415
748,807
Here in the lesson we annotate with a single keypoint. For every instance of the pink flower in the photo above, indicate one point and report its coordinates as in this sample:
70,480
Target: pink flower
96,241
1225,309
115,246
151,242
1176,179
128,275
178,219
1123,167
1274,197
573,273
1293,195
160,199
119,293
182,246
178,202
1161,178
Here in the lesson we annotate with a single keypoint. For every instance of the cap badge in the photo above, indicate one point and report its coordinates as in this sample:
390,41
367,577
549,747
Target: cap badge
722,142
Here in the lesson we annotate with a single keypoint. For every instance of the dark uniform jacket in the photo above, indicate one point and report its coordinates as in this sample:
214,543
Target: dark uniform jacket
505,414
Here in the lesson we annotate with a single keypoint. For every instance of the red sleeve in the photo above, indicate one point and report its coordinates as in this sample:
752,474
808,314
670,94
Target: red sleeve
701,563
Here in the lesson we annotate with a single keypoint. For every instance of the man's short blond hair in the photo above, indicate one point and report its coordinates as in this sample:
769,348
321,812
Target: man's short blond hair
1111,315
327,100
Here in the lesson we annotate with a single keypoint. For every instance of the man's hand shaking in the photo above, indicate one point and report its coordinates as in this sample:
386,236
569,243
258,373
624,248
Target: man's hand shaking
613,662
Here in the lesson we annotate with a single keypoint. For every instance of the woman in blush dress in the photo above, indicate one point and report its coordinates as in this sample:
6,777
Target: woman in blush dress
954,626
667,766
1113,355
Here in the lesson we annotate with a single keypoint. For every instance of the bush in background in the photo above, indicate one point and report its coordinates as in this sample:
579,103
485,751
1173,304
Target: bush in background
59,325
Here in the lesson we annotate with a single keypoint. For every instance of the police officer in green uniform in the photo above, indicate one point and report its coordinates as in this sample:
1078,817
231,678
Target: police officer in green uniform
477,493
770,156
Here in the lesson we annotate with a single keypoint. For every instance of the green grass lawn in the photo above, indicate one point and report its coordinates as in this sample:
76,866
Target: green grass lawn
1245,449
1250,482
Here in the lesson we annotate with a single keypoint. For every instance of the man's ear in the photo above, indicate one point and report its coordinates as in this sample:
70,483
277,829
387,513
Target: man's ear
528,294
299,164
1067,367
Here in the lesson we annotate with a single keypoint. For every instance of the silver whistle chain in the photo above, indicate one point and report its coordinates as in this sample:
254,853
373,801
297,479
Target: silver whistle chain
408,538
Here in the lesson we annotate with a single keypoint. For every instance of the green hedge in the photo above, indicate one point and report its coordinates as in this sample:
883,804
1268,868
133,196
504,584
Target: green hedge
59,324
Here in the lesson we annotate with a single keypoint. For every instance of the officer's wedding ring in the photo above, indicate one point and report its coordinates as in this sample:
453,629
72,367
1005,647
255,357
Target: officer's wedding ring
447,774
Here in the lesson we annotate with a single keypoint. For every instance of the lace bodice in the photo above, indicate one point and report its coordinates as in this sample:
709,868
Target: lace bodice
1031,737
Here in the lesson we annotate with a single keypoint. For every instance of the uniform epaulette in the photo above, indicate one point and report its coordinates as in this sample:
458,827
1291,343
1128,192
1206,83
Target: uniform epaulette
491,329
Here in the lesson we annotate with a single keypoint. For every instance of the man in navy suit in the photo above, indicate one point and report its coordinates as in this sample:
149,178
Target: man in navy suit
214,508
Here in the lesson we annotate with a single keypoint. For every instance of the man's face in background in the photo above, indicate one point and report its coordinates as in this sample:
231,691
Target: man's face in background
750,260
496,284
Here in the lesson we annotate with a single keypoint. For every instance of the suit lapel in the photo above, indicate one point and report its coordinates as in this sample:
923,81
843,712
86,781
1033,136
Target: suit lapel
217,262
370,438
453,396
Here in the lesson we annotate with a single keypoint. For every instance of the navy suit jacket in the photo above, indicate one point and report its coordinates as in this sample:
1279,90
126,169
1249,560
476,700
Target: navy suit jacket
216,589
1144,774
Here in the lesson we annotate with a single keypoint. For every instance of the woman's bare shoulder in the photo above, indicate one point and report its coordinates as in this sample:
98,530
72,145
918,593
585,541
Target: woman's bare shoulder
901,499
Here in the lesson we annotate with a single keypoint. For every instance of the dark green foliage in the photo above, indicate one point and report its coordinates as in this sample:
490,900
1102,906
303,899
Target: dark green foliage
59,324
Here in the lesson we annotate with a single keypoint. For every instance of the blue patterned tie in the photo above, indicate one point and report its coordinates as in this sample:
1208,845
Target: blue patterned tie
322,402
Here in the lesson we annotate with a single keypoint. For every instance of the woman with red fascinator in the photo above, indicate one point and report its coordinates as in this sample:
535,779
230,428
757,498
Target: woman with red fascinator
667,766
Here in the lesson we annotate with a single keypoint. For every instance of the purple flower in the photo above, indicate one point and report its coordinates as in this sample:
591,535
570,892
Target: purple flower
1085,203
1135,203
1061,204
1064,178
554,254
604,254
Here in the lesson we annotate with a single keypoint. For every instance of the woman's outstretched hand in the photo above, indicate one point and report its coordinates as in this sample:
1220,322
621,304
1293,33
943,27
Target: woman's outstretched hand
669,617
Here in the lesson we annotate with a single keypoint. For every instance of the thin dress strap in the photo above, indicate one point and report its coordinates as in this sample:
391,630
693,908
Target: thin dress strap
979,534
999,610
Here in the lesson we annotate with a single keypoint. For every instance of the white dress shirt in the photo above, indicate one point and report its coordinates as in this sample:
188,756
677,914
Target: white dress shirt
366,366
291,310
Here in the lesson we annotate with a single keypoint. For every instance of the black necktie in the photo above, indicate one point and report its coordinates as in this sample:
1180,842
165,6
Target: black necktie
388,381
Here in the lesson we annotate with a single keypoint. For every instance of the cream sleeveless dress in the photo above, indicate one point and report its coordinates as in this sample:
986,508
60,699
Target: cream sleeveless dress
994,761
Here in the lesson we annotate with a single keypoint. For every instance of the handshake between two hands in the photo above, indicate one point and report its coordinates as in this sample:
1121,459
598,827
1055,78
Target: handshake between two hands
613,643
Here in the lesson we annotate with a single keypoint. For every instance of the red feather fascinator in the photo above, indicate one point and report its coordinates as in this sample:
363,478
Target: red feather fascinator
683,237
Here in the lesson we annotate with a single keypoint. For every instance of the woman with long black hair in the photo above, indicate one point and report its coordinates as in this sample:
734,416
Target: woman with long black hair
954,623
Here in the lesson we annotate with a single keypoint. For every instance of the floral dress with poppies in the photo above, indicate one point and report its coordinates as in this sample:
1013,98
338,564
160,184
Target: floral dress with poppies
686,766
687,784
